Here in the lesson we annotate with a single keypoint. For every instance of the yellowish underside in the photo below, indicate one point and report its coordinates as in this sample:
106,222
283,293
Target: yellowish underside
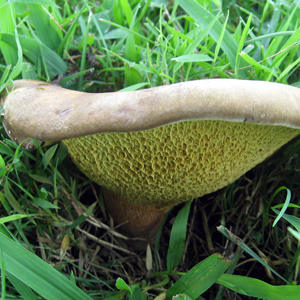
170,164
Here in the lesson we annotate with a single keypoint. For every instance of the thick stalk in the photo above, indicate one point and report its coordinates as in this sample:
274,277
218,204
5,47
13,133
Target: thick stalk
133,220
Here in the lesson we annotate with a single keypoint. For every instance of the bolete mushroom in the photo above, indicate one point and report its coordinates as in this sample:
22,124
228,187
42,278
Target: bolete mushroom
154,148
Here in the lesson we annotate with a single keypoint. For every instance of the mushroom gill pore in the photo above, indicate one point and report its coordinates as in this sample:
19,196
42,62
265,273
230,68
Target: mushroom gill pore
155,148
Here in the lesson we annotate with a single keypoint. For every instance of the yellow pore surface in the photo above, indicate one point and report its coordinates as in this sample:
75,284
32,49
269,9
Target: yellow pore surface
168,165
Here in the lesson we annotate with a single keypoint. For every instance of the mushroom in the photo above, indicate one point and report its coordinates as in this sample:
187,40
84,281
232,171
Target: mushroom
152,149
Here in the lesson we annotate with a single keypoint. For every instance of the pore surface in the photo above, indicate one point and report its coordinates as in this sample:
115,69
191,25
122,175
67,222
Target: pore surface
168,165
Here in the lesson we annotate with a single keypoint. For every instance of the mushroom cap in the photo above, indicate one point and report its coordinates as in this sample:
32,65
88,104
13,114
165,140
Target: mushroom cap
163,145
48,112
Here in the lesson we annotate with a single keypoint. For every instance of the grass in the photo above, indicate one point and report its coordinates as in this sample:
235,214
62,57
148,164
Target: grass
50,209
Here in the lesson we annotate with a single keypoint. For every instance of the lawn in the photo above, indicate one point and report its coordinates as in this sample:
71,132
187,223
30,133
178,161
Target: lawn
56,239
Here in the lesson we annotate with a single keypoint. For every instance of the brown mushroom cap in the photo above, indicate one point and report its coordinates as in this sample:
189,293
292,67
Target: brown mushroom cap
47,112
158,147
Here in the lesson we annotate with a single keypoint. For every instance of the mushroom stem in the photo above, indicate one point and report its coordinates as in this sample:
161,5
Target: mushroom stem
131,219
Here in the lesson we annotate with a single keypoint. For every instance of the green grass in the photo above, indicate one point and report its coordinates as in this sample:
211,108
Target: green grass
49,208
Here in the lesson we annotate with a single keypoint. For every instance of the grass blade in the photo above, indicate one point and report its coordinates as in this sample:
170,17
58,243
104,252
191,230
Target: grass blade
292,41
7,25
293,220
132,53
45,30
286,203
3,275
15,55
203,17
220,41
294,65
200,277
24,290
67,38
244,247
42,2
14,217
192,58
256,288
177,239
32,49
11,199
242,41
126,9
256,64
49,155
84,51
37,274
